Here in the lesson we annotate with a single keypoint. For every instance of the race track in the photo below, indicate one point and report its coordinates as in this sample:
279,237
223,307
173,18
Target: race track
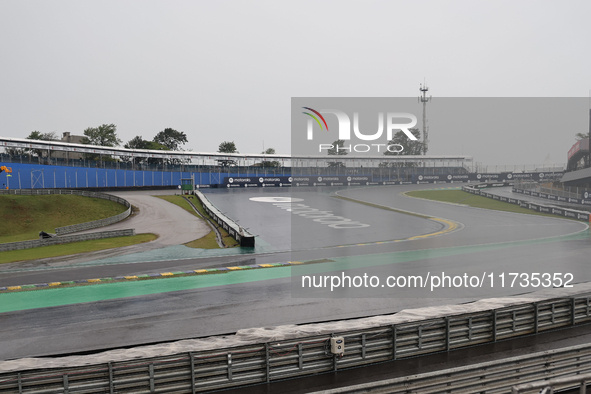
468,240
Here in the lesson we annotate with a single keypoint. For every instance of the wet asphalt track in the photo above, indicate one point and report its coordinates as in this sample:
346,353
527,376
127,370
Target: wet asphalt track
224,309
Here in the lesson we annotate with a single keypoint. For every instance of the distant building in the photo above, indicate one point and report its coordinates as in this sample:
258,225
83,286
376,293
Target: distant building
72,139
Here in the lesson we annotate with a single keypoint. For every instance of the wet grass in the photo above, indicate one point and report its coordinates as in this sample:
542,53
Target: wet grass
73,248
22,217
465,198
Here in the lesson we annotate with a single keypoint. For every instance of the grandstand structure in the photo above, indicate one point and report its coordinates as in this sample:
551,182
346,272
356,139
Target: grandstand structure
37,164
578,165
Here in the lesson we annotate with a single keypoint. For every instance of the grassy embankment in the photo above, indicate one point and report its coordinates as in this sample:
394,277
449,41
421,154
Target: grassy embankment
208,241
22,217
465,198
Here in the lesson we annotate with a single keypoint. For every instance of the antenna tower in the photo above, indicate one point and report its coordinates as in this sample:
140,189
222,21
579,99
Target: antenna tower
424,99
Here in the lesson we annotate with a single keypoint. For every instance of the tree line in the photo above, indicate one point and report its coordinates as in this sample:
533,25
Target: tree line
168,139
106,135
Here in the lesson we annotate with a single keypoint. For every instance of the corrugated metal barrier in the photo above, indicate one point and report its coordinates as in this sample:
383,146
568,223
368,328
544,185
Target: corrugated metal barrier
196,372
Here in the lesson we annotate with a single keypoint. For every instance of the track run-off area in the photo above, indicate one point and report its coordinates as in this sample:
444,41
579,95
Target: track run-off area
374,231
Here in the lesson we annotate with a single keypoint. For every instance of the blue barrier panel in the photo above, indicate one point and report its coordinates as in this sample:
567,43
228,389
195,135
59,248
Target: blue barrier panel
39,176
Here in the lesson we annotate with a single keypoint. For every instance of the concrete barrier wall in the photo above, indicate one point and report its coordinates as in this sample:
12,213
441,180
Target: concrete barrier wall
81,226
238,233
65,239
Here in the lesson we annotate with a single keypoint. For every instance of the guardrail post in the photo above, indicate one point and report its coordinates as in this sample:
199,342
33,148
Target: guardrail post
151,369
300,357
552,313
394,329
470,328
587,306
420,336
363,346
111,385
514,320
192,361
447,333
230,367
583,389
536,314
267,362
20,384
494,326
66,384
572,309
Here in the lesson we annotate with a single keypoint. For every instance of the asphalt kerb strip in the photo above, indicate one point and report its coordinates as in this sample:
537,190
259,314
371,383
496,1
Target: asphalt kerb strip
204,271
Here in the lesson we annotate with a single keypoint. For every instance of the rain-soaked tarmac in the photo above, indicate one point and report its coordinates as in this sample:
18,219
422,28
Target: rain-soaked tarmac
468,240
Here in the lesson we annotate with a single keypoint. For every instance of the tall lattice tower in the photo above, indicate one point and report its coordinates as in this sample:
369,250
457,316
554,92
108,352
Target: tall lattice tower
424,99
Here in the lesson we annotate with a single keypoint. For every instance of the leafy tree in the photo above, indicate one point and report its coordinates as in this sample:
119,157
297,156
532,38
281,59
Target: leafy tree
274,163
581,136
339,152
138,142
410,148
171,139
104,135
227,147
37,135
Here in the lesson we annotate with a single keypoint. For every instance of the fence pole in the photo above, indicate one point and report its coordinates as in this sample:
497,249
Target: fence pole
494,326
151,370
536,314
192,359
267,362
111,384
394,329
572,309
447,333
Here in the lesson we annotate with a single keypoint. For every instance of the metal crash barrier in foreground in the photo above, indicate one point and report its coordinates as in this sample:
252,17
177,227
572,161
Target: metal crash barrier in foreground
494,376
192,372
550,386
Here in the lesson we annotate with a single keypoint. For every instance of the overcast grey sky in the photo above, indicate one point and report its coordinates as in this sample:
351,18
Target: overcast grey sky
226,70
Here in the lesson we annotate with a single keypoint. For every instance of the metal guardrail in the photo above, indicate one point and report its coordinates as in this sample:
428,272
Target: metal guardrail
492,377
549,386
80,226
194,372
65,239
559,191
245,238
542,208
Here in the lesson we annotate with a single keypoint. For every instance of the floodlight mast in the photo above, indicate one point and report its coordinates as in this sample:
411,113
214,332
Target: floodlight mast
424,99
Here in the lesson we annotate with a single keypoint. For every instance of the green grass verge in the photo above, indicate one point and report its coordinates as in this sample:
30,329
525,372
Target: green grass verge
22,217
208,241
465,198
73,248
